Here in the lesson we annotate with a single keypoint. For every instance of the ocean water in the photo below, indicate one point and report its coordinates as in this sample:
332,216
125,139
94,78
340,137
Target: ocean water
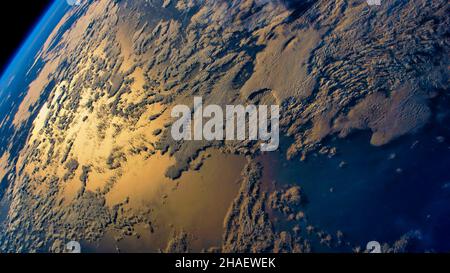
381,194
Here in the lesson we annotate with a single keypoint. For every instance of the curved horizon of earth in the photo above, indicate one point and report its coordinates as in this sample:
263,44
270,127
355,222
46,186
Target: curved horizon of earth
86,152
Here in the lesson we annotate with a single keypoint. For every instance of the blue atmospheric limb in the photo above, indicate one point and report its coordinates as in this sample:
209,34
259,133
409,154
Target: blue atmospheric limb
33,43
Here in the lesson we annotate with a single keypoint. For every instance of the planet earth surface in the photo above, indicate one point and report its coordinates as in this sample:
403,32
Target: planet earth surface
85,117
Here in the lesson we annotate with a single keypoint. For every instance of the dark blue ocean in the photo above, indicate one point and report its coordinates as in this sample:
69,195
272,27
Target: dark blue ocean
382,193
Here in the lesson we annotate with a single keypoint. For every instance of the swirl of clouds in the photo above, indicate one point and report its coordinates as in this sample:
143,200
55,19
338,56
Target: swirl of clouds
73,2
229,13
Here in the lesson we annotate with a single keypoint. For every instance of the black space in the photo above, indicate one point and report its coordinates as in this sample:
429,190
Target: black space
17,19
